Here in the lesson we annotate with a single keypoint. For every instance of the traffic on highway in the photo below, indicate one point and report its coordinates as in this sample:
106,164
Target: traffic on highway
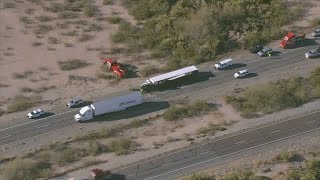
230,71
172,85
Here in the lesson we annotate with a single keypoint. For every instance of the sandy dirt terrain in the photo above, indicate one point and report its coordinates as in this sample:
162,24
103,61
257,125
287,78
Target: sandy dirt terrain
35,56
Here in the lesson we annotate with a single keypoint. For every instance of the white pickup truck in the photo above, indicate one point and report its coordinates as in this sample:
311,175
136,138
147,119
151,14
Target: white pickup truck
224,64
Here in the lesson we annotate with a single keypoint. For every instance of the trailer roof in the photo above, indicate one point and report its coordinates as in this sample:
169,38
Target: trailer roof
173,74
115,96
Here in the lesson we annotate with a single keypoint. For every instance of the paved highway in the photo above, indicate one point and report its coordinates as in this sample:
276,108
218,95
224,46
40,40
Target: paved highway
253,63
219,151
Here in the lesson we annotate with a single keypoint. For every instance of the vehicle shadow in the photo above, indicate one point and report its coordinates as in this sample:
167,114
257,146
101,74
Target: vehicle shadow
114,176
309,42
47,114
135,111
202,76
235,66
276,53
131,71
86,103
250,75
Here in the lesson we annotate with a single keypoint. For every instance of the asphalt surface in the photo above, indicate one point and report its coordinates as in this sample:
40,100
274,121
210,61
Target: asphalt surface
220,151
211,82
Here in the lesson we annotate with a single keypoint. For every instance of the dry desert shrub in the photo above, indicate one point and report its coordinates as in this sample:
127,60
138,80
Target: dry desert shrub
44,18
175,113
70,33
26,20
68,45
210,129
21,103
114,19
85,37
37,43
95,148
9,5
42,29
3,85
107,2
72,64
286,156
21,169
23,75
122,146
69,155
149,70
53,40
29,11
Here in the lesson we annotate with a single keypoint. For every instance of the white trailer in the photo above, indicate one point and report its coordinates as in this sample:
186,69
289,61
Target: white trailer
113,104
171,78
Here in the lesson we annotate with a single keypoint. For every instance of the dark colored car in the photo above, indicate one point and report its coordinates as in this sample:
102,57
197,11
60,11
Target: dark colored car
316,33
256,48
264,52
75,102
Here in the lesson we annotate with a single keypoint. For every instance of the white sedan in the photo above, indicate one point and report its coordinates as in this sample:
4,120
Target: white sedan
37,113
313,53
240,74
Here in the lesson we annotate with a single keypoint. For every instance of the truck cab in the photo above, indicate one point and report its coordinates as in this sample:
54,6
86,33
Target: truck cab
114,66
291,40
146,86
85,113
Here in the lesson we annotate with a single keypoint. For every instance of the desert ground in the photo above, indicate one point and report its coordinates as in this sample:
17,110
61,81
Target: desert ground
34,40
31,48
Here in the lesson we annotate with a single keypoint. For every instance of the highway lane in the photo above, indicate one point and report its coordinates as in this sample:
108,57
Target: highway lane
49,124
254,65
205,155
62,120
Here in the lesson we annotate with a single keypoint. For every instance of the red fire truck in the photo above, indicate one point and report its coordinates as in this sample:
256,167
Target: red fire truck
291,40
114,66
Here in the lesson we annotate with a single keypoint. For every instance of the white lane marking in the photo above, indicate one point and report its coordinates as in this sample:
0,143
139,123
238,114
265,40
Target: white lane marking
78,109
274,132
261,58
228,83
17,142
44,125
38,120
239,142
233,135
288,137
5,137
311,121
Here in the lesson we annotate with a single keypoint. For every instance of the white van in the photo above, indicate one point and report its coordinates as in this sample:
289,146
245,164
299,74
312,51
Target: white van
223,64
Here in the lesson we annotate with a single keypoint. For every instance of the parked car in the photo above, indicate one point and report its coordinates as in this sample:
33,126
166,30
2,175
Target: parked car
313,53
256,49
241,74
264,52
316,33
74,102
37,113
224,64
